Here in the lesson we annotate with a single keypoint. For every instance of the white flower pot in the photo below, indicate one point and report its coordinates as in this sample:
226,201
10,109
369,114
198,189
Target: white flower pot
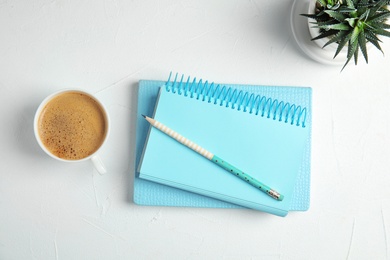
303,33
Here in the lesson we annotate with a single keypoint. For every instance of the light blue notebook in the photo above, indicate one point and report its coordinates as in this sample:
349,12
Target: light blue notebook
266,137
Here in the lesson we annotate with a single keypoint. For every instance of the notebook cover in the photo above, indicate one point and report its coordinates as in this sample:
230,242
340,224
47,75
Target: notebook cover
150,193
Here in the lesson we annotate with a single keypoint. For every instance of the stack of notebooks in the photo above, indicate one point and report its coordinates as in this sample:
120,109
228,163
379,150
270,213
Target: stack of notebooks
264,131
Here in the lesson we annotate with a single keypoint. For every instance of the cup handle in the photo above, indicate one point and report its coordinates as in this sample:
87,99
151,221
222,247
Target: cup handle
99,166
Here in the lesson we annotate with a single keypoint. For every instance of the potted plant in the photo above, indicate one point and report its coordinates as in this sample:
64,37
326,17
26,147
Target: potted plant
355,23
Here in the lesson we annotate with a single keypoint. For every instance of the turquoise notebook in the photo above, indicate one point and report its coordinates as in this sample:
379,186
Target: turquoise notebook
266,137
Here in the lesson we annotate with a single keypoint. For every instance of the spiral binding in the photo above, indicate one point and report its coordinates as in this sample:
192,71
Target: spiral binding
238,99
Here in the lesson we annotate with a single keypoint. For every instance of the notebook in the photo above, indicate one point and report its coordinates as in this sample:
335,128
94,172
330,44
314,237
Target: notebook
189,105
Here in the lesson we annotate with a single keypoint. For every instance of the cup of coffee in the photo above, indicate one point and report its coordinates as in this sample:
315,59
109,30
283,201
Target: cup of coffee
72,126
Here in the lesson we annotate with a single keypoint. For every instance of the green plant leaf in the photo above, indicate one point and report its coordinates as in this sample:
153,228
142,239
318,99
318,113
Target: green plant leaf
333,6
351,51
355,34
362,3
365,14
350,4
379,5
371,37
356,55
362,45
322,2
325,23
342,43
383,32
336,15
385,26
345,9
337,26
312,16
379,17
336,38
325,34
351,21
365,4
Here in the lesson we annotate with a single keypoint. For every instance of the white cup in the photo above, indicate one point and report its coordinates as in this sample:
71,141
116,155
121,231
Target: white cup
94,157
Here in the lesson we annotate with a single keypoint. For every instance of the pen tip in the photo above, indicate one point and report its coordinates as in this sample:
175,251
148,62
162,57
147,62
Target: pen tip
143,116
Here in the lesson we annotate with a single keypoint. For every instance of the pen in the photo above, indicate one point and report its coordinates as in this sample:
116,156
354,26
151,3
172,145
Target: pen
214,158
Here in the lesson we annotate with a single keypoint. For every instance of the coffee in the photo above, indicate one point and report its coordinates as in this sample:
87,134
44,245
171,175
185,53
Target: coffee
72,125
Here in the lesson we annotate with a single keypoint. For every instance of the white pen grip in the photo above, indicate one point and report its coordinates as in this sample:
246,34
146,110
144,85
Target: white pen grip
181,139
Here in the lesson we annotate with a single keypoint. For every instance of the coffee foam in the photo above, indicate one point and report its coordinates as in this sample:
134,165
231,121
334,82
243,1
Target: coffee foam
72,126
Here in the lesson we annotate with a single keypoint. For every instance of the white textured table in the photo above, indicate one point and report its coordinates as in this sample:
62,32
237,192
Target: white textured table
52,210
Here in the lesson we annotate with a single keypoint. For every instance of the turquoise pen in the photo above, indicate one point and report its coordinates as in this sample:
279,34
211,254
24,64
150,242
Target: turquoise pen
225,165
